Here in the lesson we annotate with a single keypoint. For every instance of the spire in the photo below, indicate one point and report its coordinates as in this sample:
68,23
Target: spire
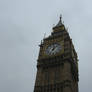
60,22
60,17
60,26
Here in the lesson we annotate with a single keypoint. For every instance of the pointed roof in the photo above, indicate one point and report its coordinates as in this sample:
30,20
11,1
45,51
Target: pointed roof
60,22
59,26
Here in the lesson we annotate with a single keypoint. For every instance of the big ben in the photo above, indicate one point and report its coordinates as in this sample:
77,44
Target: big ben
57,64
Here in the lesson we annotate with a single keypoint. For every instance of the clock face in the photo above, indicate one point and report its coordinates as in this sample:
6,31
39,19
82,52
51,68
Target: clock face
53,49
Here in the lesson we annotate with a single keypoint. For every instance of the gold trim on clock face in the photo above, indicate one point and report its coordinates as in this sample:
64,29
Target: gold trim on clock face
53,49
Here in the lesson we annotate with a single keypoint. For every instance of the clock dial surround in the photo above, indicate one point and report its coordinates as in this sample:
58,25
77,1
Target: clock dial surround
53,49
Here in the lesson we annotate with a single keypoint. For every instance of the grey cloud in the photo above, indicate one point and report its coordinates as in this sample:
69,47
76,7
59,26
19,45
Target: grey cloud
22,26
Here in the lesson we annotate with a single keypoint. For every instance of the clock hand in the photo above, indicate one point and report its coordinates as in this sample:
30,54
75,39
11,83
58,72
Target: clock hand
53,48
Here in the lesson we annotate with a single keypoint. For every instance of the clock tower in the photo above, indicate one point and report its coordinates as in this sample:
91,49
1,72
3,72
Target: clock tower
57,64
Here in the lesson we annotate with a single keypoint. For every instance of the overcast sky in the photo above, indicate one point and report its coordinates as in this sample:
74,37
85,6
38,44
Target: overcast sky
22,27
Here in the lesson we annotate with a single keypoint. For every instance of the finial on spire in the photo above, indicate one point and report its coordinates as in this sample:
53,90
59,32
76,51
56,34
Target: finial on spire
60,17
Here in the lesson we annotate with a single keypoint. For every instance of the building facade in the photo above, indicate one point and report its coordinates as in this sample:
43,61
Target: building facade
57,64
